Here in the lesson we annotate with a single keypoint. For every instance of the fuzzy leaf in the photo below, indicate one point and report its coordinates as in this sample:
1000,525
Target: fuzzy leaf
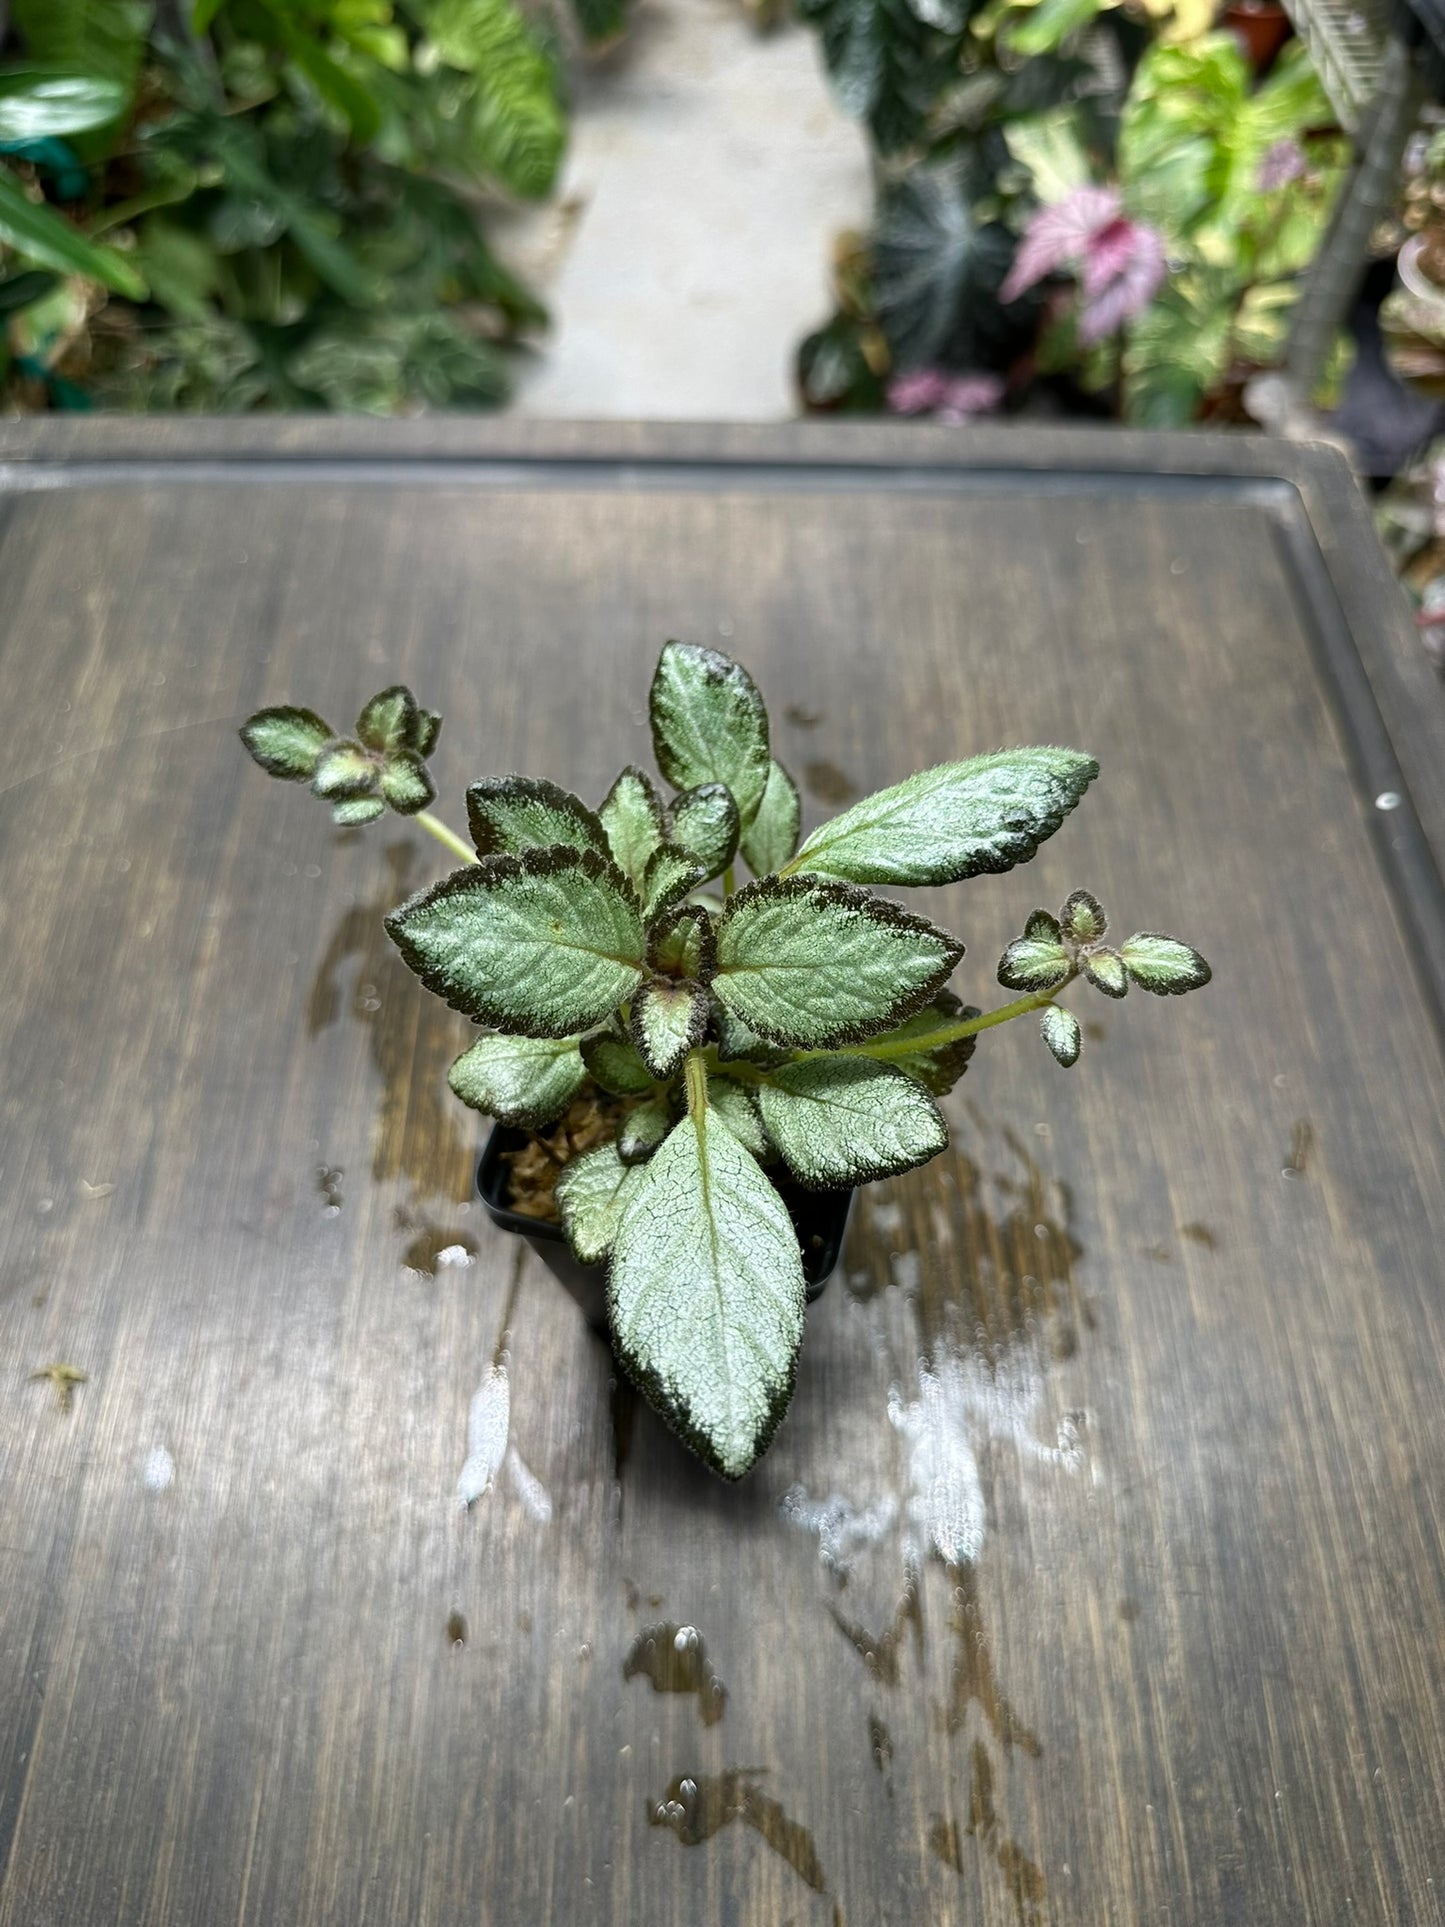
737,1043
1043,928
615,1064
1060,1031
406,782
643,1130
352,811
705,1294
705,824
709,724
668,1020
682,944
1164,964
936,1067
389,720
512,813
734,1104
953,821
425,730
345,770
520,1080
544,943
1104,969
631,817
671,874
847,1120
1082,917
1033,963
772,836
592,1192
286,742
810,964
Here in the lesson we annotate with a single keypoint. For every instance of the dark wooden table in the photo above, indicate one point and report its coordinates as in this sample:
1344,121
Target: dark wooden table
1179,1311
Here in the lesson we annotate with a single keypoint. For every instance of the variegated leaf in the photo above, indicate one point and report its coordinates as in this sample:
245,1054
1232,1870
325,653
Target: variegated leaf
1060,1031
544,943
513,813
425,730
1163,964
1034,963
671,874
937,1067
705,1293
846,1120
709,724
614,1063
631,816
1082,917
810,964
592,1193
772,836
953,821
525,1081
682,944
643,1130
668,1020
1104,969
345,769
406,782
705,824
352,811
736,1107
286,742
736,1042
389,721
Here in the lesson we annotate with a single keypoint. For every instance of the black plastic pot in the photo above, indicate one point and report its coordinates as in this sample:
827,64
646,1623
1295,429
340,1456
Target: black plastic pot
820,1218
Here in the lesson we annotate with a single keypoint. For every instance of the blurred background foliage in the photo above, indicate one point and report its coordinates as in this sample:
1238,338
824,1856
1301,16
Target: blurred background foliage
237,204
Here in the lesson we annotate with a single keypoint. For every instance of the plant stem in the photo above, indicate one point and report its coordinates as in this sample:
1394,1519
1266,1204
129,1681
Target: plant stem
435,827
695,1076
884,1048
729,882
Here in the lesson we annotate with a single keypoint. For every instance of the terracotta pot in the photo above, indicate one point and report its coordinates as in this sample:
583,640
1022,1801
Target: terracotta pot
1261,27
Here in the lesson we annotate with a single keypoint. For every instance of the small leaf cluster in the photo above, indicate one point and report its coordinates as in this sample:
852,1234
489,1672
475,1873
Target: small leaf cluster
791,1030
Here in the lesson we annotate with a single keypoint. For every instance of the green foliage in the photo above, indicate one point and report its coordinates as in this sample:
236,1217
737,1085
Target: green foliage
890,59
938,264
795,1031
515,116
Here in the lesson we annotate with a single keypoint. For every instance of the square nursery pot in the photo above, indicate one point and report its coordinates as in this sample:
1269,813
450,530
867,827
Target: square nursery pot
820,1218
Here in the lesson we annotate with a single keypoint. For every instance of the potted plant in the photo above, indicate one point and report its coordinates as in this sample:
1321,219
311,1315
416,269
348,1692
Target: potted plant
701,1042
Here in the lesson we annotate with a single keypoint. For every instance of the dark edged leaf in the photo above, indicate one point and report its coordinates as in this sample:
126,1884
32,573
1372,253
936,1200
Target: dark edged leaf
937,1067
772,836
286,742
738,1044
592,1192
643,1129
839,1121
705,1294
614,1063
389,720
812,964
1060,1031
681,944
668,1020
709,724
345,770
352,811
1163,964
427,728
406,782
736,1106
956,820
671,875
1033,963
705,825
1043,928
1082,917
1104,969
515,813
524,1081
544,943
632,820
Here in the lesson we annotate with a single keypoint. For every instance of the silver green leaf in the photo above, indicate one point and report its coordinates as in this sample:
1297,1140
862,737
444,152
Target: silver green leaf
1104,969
345,769
643,1130
631,816
810,964
705,1294
352,811
406,782
427,728
389,720
736,1042
734,1104
514,813
709,724
1043,928
1163,964
1060,1031
545,943
705,824
1034,963
772,836
525,1081
1082,917
668,1020
286,742
671,874
953,821
937,1067
847,1120
614,1063
592,1192
681,943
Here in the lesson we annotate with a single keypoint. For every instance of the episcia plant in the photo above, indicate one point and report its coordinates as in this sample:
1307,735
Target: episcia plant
798,1027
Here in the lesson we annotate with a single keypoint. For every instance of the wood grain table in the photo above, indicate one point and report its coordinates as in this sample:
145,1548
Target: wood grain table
1169,1326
